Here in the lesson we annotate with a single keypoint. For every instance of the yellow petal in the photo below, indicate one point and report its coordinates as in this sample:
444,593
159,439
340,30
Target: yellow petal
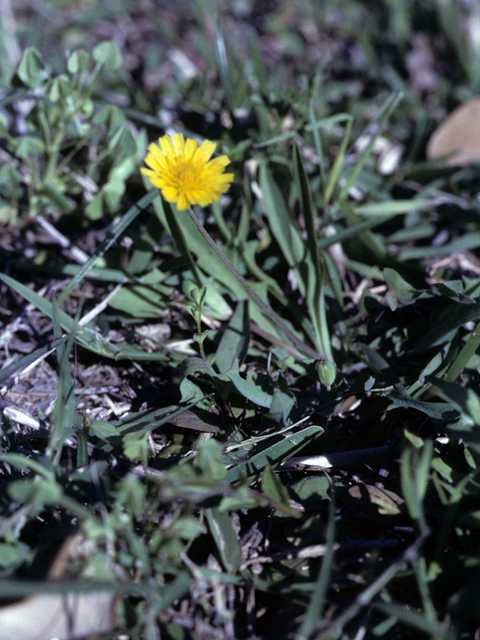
190,149
205,151
179,144
184,172
166,145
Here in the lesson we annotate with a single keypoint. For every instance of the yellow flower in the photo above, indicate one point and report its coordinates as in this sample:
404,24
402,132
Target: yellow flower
184,173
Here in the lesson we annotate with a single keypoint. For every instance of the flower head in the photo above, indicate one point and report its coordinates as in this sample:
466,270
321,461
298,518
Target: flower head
184,173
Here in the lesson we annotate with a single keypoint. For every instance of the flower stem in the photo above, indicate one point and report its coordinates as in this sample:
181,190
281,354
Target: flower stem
270,313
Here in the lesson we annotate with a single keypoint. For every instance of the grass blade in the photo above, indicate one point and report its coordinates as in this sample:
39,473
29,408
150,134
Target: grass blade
276,453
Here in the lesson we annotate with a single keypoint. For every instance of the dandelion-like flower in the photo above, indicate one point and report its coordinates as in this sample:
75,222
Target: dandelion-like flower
184,173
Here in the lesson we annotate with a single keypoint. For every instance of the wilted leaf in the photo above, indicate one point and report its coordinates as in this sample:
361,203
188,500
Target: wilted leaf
65,615
457,139
388,503
62,616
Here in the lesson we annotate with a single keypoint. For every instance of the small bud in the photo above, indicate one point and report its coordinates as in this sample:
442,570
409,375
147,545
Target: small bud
326,372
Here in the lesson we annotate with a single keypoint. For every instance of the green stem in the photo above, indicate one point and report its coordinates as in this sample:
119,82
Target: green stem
270,313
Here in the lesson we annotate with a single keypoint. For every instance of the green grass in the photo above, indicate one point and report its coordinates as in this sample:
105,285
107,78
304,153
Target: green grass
168,426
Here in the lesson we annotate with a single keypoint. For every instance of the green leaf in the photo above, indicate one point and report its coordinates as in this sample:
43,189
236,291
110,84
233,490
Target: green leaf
59,87
233,345
105,431
250,391
225,538
94,209
400,293
29,146
466,242
78,61
338,162
223,67
377,124
453,317
465,400
138,301
314,279
380,366
108,54
283,402
208,261
65,403
208,461
316,605
275,490
276,453
436,410
392,207
136,446
279,219
415,475
31,69
13,554
171,222
310,490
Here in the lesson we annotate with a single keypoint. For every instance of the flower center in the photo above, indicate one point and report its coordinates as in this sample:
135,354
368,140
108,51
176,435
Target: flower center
187,177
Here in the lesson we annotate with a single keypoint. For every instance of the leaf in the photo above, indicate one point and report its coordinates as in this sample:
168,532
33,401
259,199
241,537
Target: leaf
66,616
276,453
223,67
400,293
386,501
20,364
276,491
250,390
78,61
380,366
314,281
29,147
455,316
225,538
464,399
279,219
335,172
233,345
456,142
31,68
108,54
138,301
282,402
465,242
13,554
310,490
392,207
415,475
436,410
